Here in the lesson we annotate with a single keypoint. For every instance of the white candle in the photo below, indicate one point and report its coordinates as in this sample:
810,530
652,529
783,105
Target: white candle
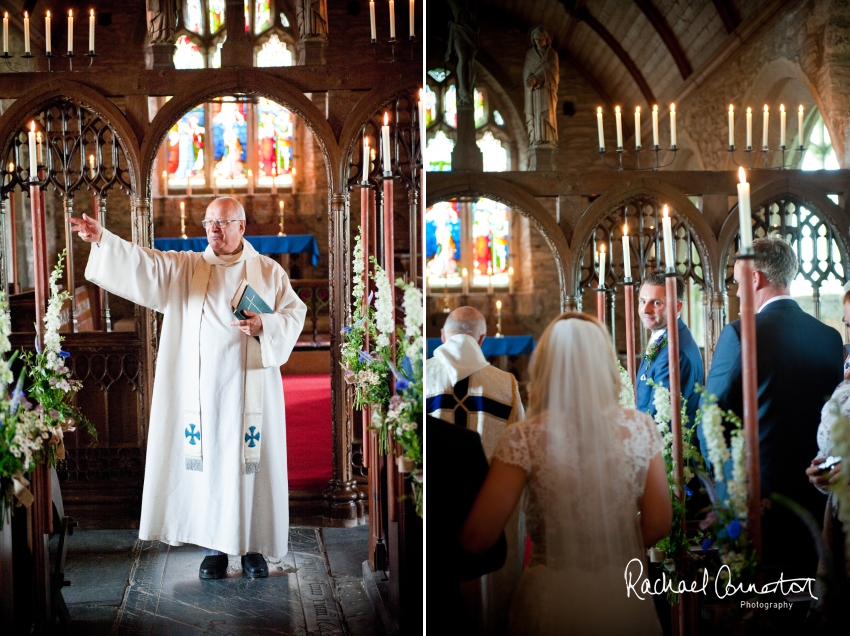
365,178
70,32
749,127
498,307
392,19
601,273
627,256
744,215
281,205
489,279
91,31
619,127
385,144
510,280
165,183
412,16
38,145
250,181
182,210
47,42
599,128
781,125
6,33
33,153
800,124
669,254
372,18
731,126
465,277
672,125
26,33
637,127
764,127
655,125
188,187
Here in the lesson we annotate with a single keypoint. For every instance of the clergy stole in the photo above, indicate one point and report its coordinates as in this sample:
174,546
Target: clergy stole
252,416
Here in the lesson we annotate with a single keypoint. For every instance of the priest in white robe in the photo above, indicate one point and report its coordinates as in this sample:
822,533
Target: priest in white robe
216,453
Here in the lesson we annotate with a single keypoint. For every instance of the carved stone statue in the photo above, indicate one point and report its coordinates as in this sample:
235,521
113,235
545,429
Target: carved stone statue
463,42
541,75
312,17
162,20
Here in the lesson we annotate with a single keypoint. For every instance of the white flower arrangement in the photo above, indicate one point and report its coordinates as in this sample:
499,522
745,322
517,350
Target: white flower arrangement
383,307
358,266
737,488
627,392
661,401
713,429
412,305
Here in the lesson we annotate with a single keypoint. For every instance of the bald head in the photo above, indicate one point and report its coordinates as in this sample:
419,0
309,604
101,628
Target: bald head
227,238
465,320
225,207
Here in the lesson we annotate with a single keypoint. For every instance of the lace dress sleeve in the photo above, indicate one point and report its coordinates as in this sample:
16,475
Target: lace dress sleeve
642,442
513,448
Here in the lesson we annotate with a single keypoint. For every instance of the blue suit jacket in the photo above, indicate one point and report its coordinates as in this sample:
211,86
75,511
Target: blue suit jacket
691,371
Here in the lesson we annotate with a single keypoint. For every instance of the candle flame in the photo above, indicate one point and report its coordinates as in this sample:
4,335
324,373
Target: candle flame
731,108
602,248
655,108
38,137
421,94
26,15
742,175
637,109
510,271
366,141
250,173
371,154
672,108
749,110
765,108
617,110
498,304
48,14
32,126
6,15
91,160
801,108
665,211
464,272
781,108
70,13
182,206
599,110
280,204
165,174
91,13
625,229
11,166
386,119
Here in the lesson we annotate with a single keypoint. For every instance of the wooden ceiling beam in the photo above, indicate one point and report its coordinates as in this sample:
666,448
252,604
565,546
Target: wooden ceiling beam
728,13
667,36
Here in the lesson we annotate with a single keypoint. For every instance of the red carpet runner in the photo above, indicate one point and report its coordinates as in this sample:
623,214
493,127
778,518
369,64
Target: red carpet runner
308,430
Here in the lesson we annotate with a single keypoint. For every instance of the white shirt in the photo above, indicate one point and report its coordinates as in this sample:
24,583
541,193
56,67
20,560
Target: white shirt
770,300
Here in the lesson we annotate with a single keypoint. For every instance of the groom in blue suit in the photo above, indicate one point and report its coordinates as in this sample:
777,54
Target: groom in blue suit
799,361
652,308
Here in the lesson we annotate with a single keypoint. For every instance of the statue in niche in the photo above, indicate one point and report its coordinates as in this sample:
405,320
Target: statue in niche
162,21
463,42
541,75
312,17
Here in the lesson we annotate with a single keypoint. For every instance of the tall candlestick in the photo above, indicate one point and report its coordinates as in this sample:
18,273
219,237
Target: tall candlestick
47,43
749,128
781,125
385,145
392,20
91,31
412,18
672,125
33,153
601,272
637,127
731,126
372,19
365,179
619,127
6,32
764,127
71,32
182,220
800,124
280,216
510,280
627,256
669,253
26,33
744,214
655,125
599,128
465,279
499,319
182,209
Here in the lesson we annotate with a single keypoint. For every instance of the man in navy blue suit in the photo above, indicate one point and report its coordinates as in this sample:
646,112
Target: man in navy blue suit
799,363
652,308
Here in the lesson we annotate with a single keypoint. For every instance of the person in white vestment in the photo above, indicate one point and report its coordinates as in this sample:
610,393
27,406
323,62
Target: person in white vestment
597,492
462,388
216,452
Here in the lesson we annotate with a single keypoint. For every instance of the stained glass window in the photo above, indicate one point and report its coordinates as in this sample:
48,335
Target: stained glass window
185,143
247,16
820,154
495,155
490,234
264,15
439,153
480,113
430,105
450,106
215,62
442,239
216,11
187,54
230,141
194,17
497,117
274,53
439,74
274,143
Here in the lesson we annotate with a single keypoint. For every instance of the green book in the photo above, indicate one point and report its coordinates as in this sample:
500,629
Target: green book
246,298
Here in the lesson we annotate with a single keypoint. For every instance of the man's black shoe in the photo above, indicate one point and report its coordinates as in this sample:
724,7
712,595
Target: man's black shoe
213,567
254,566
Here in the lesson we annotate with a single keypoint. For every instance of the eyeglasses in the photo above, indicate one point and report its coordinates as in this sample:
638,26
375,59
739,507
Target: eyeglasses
220,223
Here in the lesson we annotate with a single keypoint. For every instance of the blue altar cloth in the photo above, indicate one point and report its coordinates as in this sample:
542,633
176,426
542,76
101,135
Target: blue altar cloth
492,347
290,244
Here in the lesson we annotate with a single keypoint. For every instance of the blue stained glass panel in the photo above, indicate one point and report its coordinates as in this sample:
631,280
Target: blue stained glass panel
442,238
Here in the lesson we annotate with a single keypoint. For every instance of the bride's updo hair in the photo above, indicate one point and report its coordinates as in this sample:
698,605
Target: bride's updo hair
574,354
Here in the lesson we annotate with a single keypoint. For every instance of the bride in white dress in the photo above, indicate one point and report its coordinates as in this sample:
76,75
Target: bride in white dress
597,491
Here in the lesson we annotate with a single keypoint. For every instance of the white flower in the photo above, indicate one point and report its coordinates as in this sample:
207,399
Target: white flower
383,307
412,305
627,393
661,400
712,426
357,267
737,488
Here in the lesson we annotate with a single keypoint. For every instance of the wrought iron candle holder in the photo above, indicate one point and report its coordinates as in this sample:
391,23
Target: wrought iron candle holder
50,57
765,151
394,42
637,153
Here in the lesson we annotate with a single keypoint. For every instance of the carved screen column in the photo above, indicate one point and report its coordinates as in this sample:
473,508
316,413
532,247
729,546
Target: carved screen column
146,318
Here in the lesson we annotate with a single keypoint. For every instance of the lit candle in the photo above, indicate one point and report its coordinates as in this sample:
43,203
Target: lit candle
637,127
274,181
764,127
619,127
510,280
800,124
489,279
672,125
372,19
182,209
464,273
392,19
47,43
781,125
655,125
38,145
91,31
365,178
71,32
385,145
669,257
6,33
731,126
26,33
627,257
91,166
599,128
250,181
601,273
498,307
33,153
412,16
744,214
749,127
280,215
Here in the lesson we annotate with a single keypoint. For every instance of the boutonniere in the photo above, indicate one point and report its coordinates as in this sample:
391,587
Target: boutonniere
655,348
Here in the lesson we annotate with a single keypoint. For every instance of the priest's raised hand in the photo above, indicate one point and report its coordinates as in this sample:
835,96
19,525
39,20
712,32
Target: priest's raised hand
88,228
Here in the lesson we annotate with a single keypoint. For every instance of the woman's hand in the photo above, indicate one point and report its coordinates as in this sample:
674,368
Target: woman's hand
823,480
